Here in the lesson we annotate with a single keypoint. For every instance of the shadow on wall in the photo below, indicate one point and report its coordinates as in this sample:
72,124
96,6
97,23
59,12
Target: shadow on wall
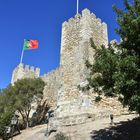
129,130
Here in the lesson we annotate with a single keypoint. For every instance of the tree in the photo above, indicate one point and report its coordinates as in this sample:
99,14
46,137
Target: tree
23,94
39,116
105,65
127,78
6,113
117,68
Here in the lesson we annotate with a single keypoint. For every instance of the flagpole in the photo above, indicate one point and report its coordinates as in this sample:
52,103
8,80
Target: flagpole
77,6
22,54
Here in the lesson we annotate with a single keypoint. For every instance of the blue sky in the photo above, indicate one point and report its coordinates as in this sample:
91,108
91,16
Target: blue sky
42,20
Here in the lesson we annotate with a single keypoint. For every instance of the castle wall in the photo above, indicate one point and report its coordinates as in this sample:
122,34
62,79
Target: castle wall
24,71
53,82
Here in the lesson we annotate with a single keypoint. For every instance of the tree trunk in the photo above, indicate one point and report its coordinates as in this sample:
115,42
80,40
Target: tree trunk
27,118
27,124
23,117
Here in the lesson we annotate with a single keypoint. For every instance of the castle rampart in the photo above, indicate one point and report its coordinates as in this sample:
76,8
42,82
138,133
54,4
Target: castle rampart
24,71
53,82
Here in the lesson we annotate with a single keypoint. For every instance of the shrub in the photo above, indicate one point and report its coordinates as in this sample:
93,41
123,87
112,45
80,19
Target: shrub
61,136
98,99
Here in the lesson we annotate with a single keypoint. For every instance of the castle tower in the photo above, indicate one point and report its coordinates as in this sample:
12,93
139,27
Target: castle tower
74,106
76,48
22,71
75,51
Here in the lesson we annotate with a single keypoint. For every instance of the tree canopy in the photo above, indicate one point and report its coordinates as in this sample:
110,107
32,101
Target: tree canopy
116,70
19,97
26,92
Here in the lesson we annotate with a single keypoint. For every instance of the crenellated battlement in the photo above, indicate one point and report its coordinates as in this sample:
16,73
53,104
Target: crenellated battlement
71,21
28,68
85,14
53,73
85,26
25,71
31,68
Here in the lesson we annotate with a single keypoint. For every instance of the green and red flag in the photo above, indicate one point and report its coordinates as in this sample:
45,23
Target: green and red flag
30,44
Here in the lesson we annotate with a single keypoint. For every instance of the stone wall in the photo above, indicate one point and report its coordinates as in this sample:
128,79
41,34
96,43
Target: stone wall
53,82
80,106
24,71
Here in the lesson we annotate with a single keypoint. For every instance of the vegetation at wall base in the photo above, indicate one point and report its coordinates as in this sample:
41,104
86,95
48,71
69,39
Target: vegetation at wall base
61,136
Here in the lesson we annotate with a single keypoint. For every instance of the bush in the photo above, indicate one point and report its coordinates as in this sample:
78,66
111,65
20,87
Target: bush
98,99
61,136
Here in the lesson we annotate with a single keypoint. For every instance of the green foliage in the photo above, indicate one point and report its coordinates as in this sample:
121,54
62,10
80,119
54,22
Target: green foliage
135,103
117,68
40,115
101,76
98,99
128,72
26,92
92,44
129,26
21,96
6,113
85,88
61,136
5,119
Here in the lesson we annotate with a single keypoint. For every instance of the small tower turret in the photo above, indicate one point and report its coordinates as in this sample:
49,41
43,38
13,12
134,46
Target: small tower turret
26,71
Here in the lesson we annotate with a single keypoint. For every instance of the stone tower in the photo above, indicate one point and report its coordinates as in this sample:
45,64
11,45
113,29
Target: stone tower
76,48
22,71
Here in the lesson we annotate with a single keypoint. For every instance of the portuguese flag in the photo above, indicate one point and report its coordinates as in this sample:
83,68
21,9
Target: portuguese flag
30,44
